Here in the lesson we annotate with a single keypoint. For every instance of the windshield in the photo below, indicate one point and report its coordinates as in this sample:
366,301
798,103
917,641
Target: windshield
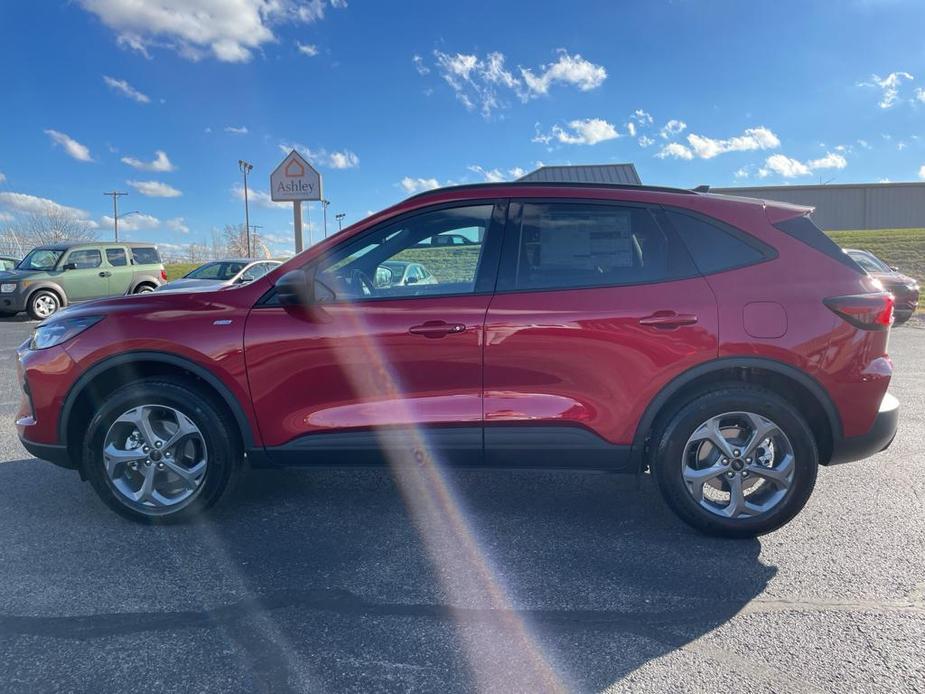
40,259
868,262
216,271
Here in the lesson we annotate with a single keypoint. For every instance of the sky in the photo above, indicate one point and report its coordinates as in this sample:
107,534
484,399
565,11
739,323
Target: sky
160,99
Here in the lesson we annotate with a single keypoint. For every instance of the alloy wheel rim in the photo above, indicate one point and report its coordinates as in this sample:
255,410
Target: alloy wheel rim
45,305
738,465
155,459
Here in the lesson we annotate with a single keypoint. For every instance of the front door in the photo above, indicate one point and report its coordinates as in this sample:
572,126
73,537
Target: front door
598,306
84,276
120,272
381,360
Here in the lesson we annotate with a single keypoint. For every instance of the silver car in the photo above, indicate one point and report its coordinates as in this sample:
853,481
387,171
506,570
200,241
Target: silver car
220,273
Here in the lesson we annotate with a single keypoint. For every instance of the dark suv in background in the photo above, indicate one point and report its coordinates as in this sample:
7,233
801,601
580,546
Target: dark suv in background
723,344
55,275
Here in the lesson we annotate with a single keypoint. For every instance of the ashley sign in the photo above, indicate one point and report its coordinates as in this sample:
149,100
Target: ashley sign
295,179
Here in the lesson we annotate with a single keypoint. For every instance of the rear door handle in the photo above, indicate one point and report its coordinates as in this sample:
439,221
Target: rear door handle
437,328
104,273
668,320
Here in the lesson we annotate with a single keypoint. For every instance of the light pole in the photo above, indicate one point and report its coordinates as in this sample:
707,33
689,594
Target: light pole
324,209
115,195
340,218
255,227
246,169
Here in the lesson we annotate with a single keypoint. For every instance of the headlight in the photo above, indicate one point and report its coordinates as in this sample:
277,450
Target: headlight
61,330
7,288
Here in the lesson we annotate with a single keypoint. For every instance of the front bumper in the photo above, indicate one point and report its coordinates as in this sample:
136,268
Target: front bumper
880,436
53,453
13,302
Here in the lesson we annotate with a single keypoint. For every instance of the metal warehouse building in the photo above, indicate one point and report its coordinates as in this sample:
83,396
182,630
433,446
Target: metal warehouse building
846,206
840,206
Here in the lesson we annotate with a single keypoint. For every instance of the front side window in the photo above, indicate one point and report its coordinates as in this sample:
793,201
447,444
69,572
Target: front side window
220,270
575,245
116,257
85,259
423,247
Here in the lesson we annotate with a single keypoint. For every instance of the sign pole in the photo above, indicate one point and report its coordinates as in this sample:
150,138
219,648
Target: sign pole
297,224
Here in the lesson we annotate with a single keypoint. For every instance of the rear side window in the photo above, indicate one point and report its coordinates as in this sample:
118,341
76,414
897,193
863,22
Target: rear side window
116,257
145,256
714,246
573,245
804,229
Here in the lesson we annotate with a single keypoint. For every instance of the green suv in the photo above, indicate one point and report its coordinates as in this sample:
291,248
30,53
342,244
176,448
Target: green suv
59,274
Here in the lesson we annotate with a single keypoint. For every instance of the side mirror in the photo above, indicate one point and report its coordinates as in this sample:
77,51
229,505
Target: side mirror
244,280
69,266
894,268
411,280
296,288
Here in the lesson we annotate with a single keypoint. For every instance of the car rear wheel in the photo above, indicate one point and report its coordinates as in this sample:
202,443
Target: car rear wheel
738,461
43,304
144,289
160,451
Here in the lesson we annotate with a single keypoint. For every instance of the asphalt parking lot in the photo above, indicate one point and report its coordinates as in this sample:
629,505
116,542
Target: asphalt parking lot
334,580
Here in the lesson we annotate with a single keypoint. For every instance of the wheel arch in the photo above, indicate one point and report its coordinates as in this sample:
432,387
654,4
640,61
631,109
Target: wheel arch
811,398
122,368
53,287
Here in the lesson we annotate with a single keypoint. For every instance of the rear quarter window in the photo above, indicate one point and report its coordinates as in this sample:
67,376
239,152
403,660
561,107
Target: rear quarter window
714,246
805,230
145,255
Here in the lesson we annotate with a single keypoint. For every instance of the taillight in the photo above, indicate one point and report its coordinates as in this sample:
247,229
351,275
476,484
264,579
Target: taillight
163,274
867,311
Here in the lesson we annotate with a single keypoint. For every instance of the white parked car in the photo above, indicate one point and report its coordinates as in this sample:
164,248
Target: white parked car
220,273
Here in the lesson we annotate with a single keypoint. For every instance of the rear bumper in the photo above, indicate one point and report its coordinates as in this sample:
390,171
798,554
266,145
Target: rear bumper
53,453
880,436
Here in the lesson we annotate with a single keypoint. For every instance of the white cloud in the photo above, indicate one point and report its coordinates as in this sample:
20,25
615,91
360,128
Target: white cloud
641,117
496,175
631,129
789,167
132,222
888,86
259,198
71,146
920,95
483,82
155,189
321,157
675,150
343,160
236,131
414,185
6,217
586,131
741,173
646,141
230,31
751,139
2,177
921,174
125,88
672,128
864,144
160,163
32,204
177,224
308,49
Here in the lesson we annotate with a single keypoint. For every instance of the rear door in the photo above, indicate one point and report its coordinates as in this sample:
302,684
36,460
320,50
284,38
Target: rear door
598,306
120,272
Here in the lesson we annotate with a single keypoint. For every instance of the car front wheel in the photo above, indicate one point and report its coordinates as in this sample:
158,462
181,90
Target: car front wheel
43,304
160,451
738,461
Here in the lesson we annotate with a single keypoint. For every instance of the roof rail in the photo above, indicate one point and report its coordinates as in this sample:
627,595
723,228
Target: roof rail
552,184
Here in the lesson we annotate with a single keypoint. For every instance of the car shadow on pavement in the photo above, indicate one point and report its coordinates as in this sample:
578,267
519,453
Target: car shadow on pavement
312,580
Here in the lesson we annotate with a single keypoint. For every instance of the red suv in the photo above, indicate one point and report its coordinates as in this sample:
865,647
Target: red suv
723,344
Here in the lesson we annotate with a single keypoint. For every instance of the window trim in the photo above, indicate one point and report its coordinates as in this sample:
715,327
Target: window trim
486,271
767,251
506,283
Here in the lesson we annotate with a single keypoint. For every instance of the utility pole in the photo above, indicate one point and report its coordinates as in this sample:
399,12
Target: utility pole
255,227
115,195
324,208
340,218
246,169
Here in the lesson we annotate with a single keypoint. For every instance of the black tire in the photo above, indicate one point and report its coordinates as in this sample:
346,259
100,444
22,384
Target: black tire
144,288
673,432
32,307
219,433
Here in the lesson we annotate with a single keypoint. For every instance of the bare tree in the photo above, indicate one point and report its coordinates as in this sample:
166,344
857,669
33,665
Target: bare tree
236,243
53,226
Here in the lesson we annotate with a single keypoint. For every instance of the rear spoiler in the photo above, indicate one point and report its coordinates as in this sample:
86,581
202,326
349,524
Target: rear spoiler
781,211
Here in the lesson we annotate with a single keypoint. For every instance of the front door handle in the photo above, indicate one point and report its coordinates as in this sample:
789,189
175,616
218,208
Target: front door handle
437,328
104,273
668,320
